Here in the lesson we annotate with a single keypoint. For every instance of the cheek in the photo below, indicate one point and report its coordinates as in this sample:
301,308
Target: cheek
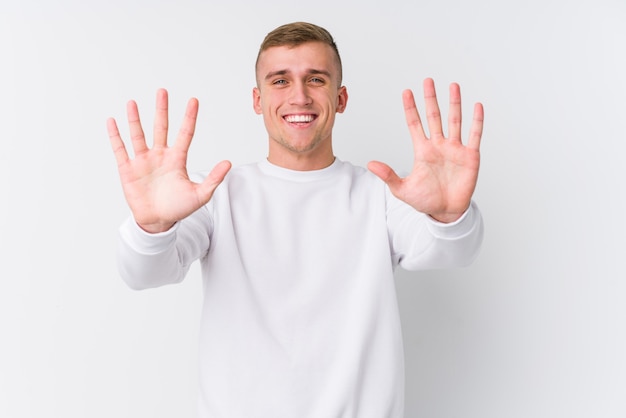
269,104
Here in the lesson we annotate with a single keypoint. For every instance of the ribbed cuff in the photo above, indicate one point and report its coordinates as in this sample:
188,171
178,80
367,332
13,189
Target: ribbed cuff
144,242
459,228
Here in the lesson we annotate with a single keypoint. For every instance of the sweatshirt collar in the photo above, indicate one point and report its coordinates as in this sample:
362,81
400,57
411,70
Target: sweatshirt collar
294,175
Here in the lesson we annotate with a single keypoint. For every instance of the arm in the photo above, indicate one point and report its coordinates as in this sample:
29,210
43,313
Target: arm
160,195
151,260
419,242
445,171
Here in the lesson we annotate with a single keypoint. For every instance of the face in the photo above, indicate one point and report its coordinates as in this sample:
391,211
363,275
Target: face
298,94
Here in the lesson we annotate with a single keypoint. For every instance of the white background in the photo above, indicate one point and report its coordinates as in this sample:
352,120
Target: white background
535,328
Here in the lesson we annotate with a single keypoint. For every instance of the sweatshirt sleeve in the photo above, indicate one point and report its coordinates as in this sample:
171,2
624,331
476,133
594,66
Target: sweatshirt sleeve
419,242
151,260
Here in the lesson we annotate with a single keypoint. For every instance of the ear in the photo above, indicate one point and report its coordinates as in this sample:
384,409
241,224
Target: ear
342,100
256,101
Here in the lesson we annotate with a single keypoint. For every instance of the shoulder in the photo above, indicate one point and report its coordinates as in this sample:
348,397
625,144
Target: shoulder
361,176
357,172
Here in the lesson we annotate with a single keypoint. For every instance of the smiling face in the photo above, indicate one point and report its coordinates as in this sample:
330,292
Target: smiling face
298,94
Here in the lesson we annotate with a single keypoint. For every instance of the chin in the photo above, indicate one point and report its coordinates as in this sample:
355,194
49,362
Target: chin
301,146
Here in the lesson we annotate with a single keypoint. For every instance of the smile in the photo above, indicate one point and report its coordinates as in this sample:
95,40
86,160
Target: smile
299,118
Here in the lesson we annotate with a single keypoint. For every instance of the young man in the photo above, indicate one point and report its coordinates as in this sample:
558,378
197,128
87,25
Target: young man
300,317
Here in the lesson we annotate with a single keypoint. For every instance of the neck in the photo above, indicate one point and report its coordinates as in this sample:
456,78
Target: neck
301,161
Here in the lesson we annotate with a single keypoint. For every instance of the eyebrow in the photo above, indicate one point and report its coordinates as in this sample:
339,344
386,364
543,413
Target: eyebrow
311,71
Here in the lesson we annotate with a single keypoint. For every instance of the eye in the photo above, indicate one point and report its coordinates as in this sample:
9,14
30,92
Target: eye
279,82
316,80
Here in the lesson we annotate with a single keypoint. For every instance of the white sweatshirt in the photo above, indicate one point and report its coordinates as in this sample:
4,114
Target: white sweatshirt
300,317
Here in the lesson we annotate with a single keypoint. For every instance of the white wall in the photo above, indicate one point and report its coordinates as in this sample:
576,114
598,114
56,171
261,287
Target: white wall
535,328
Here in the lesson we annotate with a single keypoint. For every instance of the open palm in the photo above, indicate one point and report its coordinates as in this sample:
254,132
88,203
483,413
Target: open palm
445,171
156,183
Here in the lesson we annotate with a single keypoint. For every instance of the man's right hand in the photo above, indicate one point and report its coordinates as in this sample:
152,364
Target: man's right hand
156,183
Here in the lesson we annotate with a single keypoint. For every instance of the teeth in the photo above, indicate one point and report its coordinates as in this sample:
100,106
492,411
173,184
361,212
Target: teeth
299,118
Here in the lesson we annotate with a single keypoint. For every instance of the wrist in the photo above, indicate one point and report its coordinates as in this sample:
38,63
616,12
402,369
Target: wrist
446,218
155,228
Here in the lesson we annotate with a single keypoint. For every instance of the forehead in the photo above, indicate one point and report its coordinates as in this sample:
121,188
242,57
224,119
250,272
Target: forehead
300,58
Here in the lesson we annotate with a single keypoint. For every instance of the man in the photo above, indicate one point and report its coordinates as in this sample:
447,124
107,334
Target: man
300,316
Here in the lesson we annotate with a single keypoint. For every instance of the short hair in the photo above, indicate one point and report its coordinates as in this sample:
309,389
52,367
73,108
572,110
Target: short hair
298,33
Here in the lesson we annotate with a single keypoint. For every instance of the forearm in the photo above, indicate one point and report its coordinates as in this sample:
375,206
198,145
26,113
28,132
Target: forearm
427,244
151,260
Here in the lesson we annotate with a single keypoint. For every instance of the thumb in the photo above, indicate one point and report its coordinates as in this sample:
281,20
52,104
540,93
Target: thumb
216,176
386,174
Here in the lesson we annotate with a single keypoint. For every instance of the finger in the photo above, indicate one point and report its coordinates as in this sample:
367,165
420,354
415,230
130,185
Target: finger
136,131
386,174
476,131
433,115
413,120
454,116
216,176
161,119
119,149
188,127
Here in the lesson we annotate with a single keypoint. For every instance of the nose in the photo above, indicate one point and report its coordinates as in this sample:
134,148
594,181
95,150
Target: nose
300,95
